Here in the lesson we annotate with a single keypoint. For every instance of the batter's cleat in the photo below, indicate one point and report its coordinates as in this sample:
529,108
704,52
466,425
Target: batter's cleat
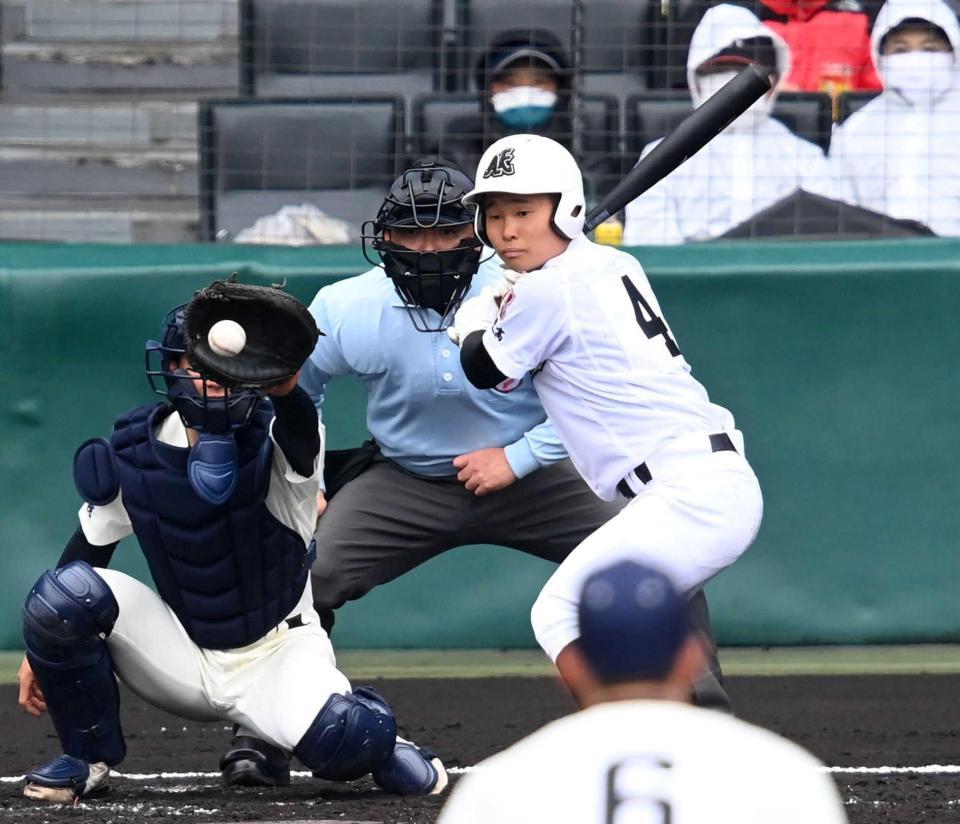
67,779
252,762
411,770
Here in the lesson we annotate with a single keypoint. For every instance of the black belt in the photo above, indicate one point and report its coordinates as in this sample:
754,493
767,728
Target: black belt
295,621
718,443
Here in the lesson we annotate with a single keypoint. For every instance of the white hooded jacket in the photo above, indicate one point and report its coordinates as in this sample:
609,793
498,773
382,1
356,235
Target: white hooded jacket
900,157
741,171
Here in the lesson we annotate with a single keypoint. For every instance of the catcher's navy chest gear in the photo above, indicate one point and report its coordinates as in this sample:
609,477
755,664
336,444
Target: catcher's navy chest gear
230,572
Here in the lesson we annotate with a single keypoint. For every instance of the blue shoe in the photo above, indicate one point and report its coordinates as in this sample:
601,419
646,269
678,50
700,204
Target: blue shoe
411,770
66,779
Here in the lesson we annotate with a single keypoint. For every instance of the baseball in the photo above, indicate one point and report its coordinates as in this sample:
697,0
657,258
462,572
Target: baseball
227,338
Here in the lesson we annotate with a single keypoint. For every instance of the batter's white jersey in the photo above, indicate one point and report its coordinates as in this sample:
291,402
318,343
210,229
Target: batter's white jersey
649,762
606,365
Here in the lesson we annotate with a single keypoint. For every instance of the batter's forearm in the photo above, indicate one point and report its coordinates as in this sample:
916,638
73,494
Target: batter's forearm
477,364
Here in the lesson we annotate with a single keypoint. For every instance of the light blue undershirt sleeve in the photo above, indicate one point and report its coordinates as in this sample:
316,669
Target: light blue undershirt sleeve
540,446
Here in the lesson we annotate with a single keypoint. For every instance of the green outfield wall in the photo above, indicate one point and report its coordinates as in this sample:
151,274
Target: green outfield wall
841,363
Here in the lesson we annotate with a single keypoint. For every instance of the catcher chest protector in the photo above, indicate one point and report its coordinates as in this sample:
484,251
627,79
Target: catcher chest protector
229,572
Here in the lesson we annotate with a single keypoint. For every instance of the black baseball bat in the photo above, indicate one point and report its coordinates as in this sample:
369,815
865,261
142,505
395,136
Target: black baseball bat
693,133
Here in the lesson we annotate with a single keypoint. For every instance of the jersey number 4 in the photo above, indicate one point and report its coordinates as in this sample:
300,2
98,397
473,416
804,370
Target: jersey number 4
650,322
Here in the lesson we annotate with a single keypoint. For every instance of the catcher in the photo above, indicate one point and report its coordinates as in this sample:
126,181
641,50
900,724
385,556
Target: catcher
219,484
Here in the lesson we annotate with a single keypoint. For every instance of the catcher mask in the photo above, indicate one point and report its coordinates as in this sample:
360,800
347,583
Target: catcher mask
427,196
214,412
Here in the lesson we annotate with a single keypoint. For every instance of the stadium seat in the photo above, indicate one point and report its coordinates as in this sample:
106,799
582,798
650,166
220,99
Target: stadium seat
850,102
653,114
316,47
257,155
612,53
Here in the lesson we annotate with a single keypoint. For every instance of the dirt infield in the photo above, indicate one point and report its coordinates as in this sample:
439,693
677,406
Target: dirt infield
854,721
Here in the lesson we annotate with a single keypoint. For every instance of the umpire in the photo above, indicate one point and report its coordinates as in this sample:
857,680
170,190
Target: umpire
449,464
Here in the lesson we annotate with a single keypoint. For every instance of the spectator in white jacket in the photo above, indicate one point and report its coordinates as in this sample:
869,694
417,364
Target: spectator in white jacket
900,154
755,162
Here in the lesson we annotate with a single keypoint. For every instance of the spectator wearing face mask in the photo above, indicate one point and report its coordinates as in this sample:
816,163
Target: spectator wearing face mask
900,154
752,164
524,81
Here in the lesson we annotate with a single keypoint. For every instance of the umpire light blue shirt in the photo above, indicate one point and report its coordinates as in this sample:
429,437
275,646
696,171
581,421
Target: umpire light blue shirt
421,409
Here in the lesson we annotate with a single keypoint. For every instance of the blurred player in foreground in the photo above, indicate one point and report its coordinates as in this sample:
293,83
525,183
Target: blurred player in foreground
583,321
219,487
639,751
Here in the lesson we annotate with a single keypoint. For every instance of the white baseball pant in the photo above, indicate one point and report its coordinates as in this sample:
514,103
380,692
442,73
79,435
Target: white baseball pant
272,688
696,516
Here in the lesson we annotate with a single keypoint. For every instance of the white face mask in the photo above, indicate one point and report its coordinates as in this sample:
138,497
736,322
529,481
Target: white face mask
921,77
709,84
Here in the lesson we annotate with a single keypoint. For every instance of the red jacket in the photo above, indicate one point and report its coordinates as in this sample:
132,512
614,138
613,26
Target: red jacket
830,47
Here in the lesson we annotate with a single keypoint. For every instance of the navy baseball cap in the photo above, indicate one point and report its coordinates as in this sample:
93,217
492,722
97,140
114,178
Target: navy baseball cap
633,622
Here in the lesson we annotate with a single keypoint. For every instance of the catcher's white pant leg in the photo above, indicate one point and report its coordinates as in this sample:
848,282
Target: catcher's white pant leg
152,653
690,526
277,692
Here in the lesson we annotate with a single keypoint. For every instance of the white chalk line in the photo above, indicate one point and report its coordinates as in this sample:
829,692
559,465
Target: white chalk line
928,769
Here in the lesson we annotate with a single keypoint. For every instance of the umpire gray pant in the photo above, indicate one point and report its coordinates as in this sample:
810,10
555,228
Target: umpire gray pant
387,521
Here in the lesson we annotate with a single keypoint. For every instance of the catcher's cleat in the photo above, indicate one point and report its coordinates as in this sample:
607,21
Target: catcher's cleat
252,762
411,770
67,779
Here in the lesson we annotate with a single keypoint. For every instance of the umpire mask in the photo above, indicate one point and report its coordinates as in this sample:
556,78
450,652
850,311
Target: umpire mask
431,282
214,413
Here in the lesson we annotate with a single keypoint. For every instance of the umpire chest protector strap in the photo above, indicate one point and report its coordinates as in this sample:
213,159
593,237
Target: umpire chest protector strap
230,572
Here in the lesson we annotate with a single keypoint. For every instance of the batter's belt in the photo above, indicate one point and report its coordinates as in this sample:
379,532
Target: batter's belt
669,459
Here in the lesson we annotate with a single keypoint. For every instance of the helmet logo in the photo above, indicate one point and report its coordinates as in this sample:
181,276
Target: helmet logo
501,165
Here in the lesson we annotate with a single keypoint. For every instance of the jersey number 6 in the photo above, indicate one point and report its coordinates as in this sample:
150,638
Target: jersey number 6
651,323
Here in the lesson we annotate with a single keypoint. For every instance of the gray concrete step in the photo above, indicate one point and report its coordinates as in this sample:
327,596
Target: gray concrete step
137,20
208,68
86,219
129,124
96,171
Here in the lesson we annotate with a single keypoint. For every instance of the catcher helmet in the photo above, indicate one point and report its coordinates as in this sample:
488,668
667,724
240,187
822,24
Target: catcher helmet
529,164
204,411
427,196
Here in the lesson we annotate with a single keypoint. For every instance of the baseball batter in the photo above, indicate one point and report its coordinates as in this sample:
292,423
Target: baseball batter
219,489
639,752
583,320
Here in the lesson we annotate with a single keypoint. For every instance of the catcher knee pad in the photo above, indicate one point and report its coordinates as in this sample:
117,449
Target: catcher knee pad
66,617
351,735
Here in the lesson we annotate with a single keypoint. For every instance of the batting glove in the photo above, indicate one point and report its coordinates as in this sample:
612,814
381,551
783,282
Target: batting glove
476,313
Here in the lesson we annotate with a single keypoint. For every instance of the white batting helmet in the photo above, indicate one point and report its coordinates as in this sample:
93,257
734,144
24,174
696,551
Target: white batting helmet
529,164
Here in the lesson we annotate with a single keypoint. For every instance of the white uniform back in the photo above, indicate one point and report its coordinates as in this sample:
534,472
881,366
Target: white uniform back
611,377
652,762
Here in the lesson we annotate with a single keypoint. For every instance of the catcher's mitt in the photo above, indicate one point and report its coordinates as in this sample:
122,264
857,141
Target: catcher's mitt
280,334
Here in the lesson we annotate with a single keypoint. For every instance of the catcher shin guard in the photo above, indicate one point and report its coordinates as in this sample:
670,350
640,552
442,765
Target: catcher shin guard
66,617
411,770
351,735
